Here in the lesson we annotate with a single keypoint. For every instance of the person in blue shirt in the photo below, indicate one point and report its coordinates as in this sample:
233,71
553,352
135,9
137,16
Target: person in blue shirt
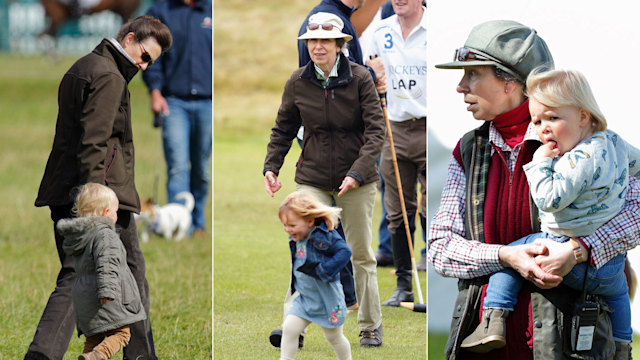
180,85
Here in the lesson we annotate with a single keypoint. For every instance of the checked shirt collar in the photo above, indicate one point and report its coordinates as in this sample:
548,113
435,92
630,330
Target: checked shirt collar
496,140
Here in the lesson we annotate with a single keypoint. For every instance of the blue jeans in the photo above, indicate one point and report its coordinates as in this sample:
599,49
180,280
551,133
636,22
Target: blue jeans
609,281
186,139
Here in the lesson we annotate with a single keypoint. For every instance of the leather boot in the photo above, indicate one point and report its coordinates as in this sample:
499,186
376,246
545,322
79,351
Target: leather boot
490,334
93,355
623,351
402,260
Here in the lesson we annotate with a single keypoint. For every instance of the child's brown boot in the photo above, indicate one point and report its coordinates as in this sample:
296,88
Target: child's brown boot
490,334
93,355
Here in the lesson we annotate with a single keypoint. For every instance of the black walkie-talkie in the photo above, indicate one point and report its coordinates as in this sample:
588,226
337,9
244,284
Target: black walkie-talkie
585,317
583,325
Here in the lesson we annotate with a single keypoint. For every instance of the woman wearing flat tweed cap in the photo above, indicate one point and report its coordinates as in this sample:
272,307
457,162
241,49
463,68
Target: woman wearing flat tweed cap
485,205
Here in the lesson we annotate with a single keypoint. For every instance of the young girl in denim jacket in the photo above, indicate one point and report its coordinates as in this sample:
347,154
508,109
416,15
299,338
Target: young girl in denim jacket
317,254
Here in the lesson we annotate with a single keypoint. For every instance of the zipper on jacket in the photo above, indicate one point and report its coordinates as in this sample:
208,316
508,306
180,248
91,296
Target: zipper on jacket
503,158
108,167
127,123
509,209
332,166
340,82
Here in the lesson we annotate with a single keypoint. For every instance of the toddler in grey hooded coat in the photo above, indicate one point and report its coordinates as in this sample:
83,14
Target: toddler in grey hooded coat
105,294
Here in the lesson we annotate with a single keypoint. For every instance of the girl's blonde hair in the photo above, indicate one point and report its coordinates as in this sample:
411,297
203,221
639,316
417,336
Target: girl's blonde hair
556,88
307,206
92,199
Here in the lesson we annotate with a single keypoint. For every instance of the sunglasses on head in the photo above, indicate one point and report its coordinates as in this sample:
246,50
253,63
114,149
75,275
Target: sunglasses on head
325,26
466,54
146,57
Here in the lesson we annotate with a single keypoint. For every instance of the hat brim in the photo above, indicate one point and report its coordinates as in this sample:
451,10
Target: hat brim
464,64
324,34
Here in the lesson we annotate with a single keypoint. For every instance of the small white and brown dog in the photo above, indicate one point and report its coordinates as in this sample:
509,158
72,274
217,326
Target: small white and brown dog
171,221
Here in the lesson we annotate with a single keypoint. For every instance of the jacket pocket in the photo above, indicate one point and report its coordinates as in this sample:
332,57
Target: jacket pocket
465,310
305,143
321,244
114,168
130,296
359,138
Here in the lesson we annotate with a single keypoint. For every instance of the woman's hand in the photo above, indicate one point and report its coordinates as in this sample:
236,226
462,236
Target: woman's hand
347,184
271,183
522,258
559,258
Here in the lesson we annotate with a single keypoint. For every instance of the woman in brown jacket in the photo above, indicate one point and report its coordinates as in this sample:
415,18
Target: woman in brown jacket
337,102
94,143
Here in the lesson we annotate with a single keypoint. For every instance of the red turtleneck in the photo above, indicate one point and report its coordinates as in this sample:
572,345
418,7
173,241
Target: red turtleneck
513,124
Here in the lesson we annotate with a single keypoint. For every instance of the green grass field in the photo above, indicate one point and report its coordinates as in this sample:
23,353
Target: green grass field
179,274
252,264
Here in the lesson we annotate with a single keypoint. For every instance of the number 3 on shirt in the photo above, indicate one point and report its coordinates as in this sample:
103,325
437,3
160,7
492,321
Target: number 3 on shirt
389,43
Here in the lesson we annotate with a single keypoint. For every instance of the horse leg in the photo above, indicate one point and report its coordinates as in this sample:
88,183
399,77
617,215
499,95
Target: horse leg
57,13
102,6
127,8
124,8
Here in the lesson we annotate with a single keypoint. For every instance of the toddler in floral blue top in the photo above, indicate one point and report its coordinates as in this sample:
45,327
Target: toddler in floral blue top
318,253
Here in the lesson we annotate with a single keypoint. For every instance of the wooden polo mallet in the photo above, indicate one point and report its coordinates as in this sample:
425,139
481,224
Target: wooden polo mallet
414,307
405,218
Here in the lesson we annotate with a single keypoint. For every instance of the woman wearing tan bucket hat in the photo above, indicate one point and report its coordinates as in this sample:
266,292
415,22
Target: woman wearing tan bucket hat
337,102
485,205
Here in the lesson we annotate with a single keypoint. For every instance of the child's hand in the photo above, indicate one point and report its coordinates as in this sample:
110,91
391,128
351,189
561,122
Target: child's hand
549,150
104,300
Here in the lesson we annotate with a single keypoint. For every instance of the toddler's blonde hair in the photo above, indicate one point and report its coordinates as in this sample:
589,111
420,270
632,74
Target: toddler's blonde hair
307,206
92,199
556,88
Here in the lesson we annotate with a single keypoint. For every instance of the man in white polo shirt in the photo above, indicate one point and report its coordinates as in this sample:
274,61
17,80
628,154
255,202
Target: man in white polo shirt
401,42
